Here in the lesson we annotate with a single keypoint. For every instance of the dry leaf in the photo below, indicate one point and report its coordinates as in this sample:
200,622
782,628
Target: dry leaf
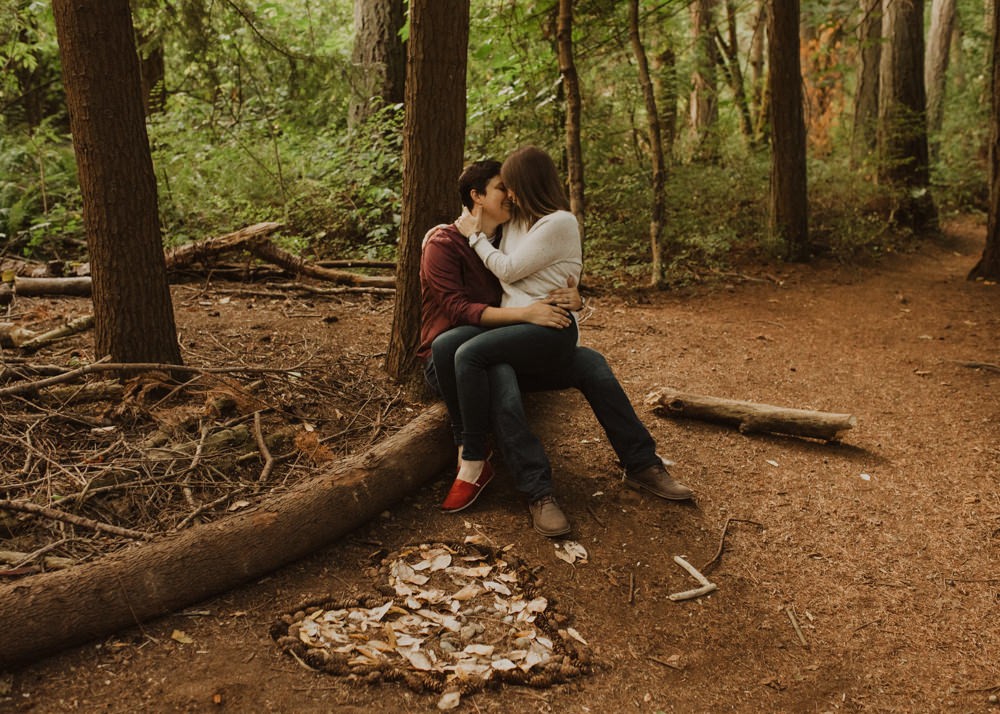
449,700
181,637
575,635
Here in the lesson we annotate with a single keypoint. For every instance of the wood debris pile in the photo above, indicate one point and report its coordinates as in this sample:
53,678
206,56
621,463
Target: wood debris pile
452,618
90,465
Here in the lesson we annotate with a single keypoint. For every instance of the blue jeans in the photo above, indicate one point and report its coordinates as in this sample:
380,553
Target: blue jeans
523,453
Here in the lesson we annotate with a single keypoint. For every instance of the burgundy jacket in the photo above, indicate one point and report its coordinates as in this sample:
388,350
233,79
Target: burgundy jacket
455,286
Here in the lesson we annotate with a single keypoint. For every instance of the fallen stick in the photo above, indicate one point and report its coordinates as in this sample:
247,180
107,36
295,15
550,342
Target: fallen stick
73,327
103,366
795,624
722,539
706,586
751,416
57,515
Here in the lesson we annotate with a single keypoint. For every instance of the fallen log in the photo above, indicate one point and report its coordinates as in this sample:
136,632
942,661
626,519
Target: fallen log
44,613
266,250
204,250
750,416
13,335
70,328
34,287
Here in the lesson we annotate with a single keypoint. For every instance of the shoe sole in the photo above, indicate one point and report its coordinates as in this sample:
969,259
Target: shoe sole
635,485
552,534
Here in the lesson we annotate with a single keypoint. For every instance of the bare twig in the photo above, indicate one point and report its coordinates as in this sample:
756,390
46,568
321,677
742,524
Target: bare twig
264,451
706,586
57,515
206,507
795,624
722,539
103,366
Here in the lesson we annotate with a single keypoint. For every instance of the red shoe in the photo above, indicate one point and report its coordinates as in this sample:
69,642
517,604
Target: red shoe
463,493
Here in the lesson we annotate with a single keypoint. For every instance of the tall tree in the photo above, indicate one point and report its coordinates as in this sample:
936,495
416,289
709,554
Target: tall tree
704,95
759,99
864,136
574,110
789,214
936,62
904,162
729,51
379,56
659,207
988,266
433,144
133,314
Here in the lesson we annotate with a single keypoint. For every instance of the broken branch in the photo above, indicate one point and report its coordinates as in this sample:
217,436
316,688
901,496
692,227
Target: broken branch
706,586
750,416
57,515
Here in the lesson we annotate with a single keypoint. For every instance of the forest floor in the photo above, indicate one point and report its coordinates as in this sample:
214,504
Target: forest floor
873,583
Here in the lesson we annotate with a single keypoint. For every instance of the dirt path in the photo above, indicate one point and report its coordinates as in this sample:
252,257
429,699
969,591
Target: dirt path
885,550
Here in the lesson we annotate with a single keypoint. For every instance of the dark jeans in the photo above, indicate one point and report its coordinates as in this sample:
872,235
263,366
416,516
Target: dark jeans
529,349
523,453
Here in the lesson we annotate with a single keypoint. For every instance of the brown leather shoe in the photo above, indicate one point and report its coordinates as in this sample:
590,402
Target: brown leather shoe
547,518
656,479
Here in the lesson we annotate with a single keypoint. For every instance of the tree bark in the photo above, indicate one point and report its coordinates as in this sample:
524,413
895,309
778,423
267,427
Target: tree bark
789,221
433,144
750,416
704,96
659,207
42,614
864,136
936,64
988,266
574,111
379,57
134,319
904,162
729,50
759,101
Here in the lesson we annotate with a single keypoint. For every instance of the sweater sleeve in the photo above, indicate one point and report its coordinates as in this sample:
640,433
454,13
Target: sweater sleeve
442,274
554,238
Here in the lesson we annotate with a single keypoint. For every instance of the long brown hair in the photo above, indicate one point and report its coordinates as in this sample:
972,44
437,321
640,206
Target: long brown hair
532,175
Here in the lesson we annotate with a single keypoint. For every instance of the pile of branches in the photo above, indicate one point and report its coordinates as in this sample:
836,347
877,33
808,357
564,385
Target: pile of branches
89,464
91,461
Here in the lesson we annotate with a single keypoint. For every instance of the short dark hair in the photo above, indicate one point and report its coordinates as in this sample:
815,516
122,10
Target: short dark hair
532,175
475,176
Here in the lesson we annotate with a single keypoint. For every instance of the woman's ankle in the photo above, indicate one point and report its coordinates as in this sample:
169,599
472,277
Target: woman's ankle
470,471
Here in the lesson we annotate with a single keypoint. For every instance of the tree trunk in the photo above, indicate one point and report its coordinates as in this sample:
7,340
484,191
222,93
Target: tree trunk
704,97
789,222
751,416
42,614
574,110
659,208
152,69
729,49
664,71
936,64
864,136
988,266
379,57
134,319
758,77
904,163
433,144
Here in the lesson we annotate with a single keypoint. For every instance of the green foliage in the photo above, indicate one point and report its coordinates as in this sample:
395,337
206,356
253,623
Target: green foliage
39,195
255,128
